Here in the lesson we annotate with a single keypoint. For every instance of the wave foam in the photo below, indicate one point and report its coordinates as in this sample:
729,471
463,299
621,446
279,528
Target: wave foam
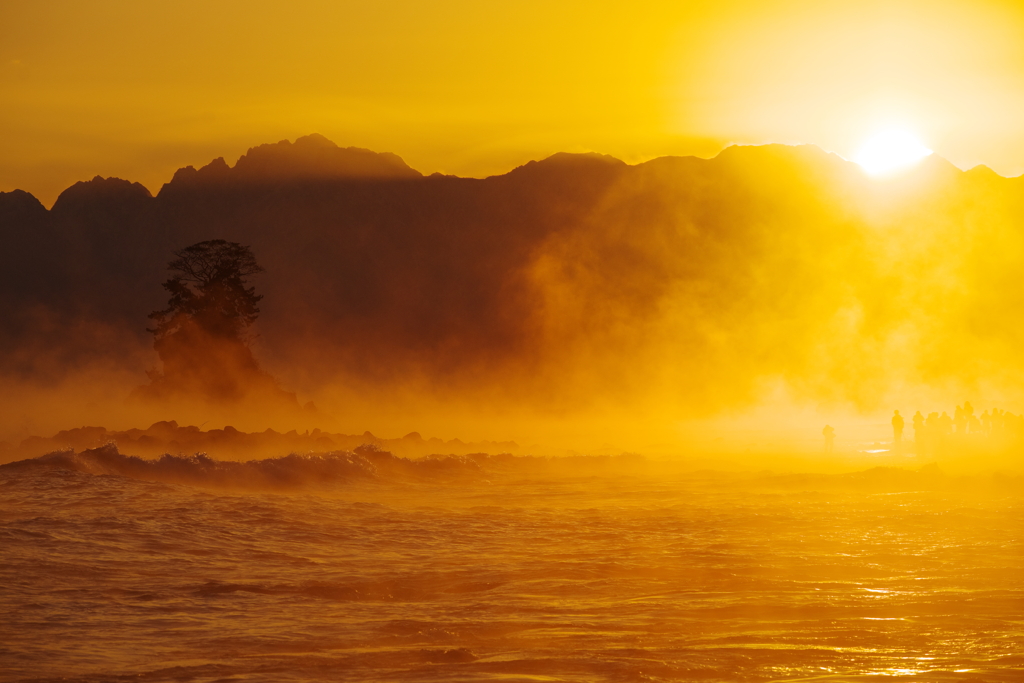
368,462
365,463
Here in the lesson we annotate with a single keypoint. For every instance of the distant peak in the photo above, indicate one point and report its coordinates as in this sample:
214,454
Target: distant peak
982,171
569,157
314,156
21,200
20,196
776,149
568,161
313,140
310,157
580,159
100,189
217,169
939,165
217,164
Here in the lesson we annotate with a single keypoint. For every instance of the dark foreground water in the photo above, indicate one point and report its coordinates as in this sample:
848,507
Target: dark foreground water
497,571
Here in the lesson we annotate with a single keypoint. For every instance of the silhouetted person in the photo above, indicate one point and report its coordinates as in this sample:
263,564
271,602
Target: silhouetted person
986,422
897,428
918,431
974,425
960,420
931,429
830,437
969,414
945,424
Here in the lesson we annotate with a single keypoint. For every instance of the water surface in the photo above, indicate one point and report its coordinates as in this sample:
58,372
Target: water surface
509,575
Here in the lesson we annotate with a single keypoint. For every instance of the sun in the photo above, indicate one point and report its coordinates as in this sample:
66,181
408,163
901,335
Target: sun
890,150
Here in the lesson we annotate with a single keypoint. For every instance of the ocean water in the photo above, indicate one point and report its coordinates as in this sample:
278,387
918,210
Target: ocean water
364,567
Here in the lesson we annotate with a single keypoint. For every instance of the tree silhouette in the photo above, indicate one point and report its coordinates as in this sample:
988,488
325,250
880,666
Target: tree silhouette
201,337
209,290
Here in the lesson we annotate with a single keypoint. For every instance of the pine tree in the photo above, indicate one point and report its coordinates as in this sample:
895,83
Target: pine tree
208,289
201,337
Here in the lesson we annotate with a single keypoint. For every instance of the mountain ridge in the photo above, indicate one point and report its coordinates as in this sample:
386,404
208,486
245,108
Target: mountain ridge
575,279
283,161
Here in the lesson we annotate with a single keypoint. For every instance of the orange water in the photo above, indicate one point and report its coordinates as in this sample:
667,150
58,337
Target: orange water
510,577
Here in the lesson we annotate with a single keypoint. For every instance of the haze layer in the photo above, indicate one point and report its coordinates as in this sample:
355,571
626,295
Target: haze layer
574,286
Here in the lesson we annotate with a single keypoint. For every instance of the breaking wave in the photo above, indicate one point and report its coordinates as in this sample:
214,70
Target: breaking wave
364,463
369,463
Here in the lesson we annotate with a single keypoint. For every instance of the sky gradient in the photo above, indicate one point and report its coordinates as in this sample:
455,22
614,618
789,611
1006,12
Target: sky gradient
136,90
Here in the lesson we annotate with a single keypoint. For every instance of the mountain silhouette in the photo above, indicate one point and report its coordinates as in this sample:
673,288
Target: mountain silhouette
312,157
571,277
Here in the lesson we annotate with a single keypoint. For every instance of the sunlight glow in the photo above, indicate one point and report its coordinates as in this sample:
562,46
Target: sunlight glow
889,151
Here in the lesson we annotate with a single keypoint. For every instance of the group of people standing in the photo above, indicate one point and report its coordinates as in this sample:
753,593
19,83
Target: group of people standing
964,421
932,430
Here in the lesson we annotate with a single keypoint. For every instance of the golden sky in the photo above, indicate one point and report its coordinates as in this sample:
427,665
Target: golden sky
137,89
